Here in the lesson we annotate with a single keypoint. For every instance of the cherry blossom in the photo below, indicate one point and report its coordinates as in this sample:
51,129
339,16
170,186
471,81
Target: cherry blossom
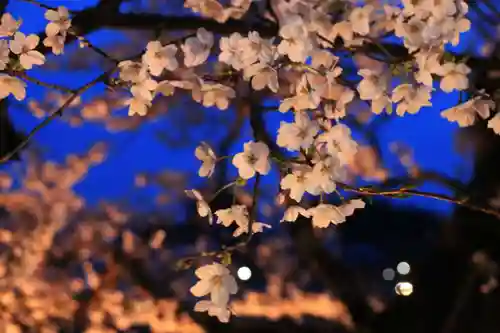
159,57
466,114
373,87
137,105
256,228
296,43
325,172
236,213
339,143
59,21
254,158
360,19
213,94
297,182
454,76
324,214
9,25
262,75
207,156
12,85
207,8
494,123
299,134
343,29
216,280
239,214
201,205
292,213
24,46
131,71
411,99
231,51
197,49
214,310
428,64
56,42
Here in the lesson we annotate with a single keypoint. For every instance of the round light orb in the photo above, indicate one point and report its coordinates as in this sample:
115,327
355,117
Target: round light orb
244,273
403,268
388,274
404,288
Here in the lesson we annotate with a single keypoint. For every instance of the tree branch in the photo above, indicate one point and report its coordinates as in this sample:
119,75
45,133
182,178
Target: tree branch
55,114
401,192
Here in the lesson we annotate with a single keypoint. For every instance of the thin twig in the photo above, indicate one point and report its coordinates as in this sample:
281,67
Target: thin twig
405,191
36,3
54,86
91,46
55,114
41,5
253,210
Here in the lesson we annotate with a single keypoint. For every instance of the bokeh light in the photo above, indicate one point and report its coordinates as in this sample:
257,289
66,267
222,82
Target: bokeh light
388,274
244,273
404,288
403,268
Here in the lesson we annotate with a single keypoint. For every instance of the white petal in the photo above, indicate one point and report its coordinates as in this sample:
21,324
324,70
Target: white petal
202,288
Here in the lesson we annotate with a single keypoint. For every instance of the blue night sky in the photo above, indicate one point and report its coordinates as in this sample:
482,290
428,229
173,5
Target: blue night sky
431,136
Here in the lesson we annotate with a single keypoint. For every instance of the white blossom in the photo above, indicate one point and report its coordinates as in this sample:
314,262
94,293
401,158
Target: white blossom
59,21
297,182
231,51
56,42
292,213
295,43
454,76
411,99
216,280
131,71
360,18
466,113
159,58
345,30
299,134
256,228
221,312
137,105
12,85
239,214
428,64
262,75
494,123
373,87
324,214
339,143
254,158
9,25
144,89
197,49
24,46
202,206
207,156
323,175
213,94
236,213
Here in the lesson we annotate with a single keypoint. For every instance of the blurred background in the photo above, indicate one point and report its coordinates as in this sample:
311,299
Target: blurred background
82,204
